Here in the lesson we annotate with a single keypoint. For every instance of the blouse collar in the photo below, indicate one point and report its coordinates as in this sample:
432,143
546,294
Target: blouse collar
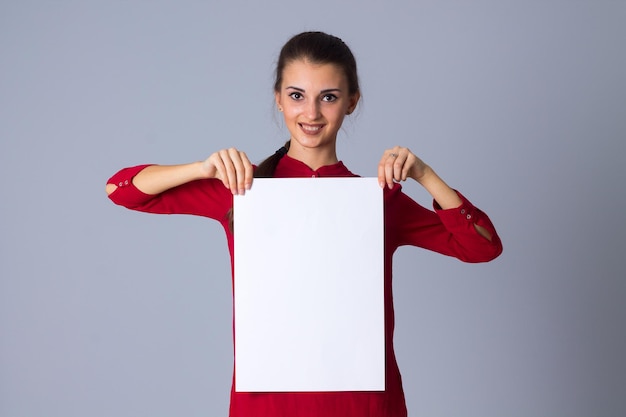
291,167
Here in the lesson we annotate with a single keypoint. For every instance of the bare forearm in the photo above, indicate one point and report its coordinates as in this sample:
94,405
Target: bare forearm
445,196
158,178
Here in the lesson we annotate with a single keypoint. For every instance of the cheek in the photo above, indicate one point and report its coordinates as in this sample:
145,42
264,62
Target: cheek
290,113
337,117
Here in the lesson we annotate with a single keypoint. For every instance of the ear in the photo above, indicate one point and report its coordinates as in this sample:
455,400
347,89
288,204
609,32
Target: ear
354,100
278,101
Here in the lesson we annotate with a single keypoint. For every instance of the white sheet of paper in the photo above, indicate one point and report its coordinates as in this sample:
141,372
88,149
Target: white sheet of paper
309,285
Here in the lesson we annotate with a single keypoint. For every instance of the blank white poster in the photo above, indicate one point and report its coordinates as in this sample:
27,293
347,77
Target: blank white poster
309,285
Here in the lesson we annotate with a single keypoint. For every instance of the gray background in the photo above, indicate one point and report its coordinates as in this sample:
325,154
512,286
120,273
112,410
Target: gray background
519,104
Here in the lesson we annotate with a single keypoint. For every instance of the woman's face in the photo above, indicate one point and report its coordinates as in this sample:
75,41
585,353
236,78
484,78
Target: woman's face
314,99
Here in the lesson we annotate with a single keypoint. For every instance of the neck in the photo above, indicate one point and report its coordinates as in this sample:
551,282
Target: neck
314,158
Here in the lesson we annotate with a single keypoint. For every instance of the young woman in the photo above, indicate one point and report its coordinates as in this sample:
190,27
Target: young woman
316,87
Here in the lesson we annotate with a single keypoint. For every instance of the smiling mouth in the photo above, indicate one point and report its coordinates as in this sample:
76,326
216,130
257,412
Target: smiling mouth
311,129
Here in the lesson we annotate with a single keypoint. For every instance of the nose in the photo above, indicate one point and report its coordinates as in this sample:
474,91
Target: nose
312,110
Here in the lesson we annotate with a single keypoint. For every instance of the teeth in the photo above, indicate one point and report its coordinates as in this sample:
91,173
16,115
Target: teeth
311,128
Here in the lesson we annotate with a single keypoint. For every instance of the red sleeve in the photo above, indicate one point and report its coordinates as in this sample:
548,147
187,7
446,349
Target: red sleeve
208,198
450,232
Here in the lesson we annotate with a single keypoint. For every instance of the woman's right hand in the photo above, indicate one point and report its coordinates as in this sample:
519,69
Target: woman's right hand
232,167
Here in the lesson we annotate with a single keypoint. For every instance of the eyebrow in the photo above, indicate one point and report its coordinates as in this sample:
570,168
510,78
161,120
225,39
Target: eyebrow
328,90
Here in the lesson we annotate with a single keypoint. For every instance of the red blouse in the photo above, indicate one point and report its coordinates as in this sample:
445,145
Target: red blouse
450,232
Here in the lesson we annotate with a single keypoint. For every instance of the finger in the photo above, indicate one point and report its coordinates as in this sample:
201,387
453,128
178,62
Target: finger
239,170
389,168
381,169
408,165
216,168
399,165
229,174
244,170
248,171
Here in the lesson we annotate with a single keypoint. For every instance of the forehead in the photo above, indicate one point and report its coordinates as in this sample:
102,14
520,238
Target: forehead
303,73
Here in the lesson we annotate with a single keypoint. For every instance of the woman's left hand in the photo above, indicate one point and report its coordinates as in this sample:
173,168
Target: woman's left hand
398,164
